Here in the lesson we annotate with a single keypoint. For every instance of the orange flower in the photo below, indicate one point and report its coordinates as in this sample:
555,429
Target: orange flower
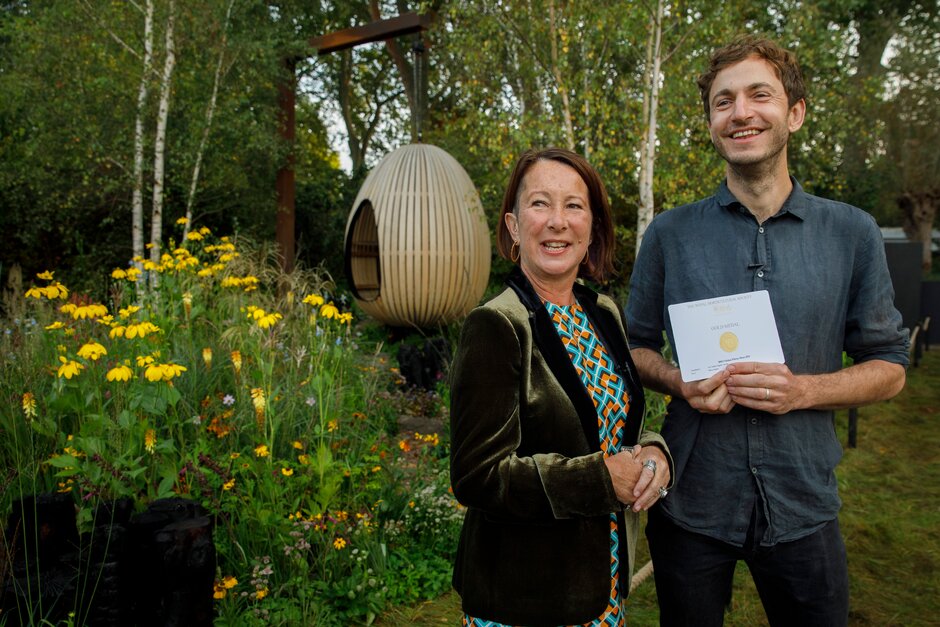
29,405
237,361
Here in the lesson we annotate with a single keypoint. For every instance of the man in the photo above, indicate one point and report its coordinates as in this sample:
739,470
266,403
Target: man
754,445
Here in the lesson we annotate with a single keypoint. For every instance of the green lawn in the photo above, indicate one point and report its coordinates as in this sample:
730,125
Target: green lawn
890,486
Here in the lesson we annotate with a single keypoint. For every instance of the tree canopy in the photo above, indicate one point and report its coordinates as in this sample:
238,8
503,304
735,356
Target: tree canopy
503,76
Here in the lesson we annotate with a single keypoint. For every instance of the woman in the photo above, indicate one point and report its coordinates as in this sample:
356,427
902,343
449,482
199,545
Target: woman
545,405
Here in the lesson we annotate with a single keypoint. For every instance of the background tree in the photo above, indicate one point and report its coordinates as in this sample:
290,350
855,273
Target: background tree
909,163
502,77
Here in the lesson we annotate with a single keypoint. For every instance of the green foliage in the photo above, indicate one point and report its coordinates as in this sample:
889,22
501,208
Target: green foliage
70,79
246,390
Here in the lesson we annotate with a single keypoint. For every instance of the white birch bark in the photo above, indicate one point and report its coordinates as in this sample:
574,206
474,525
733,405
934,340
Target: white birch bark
159,150
559,80
210,113
137,201
650,110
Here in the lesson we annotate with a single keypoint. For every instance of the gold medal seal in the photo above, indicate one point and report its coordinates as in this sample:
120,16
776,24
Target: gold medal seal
728,342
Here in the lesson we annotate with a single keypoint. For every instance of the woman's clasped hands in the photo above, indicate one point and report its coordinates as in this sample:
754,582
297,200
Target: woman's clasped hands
640,475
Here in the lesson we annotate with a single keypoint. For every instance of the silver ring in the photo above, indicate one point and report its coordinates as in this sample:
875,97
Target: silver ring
651,465
766,394
663,492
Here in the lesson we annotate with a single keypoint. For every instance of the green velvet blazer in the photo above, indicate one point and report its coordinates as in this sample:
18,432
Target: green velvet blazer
526,461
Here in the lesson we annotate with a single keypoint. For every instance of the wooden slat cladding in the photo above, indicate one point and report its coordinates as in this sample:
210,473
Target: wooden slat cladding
417,244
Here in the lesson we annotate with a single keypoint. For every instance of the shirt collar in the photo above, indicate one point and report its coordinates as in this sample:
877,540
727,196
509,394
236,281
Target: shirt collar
797,203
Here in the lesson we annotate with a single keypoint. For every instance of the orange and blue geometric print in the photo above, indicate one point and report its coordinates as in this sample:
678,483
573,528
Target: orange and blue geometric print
595,367
612,403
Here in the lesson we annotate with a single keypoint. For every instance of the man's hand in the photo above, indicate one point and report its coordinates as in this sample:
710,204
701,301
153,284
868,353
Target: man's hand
709,396
767,387
773,388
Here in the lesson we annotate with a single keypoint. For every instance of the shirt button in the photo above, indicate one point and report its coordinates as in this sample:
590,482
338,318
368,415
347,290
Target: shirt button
760,229
753,421
754,470
760,273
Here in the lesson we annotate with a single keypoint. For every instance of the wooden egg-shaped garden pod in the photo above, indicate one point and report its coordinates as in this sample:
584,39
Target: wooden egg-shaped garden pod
417,244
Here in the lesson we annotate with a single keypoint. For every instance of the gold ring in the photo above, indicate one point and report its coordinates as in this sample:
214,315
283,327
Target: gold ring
766,394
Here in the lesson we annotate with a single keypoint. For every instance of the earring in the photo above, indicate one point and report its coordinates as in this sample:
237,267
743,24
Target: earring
514,251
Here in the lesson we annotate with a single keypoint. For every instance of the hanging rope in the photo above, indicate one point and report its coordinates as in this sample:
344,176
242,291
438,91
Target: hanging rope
420,88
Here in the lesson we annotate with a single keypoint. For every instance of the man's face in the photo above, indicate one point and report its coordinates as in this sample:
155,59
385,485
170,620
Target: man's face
750,120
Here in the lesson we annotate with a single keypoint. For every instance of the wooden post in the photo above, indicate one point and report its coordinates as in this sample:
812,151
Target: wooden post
383,29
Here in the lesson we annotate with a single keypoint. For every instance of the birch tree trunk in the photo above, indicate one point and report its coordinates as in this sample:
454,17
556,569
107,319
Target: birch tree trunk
159,150
650,109
137,201
559,80
210,112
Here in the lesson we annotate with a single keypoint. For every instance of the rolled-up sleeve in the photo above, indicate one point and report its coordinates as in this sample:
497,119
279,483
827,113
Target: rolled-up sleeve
874,329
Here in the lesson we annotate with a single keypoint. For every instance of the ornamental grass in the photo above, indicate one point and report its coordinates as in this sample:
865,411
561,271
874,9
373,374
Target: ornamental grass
213,376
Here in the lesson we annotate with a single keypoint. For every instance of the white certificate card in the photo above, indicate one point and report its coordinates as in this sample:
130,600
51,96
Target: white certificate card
712,333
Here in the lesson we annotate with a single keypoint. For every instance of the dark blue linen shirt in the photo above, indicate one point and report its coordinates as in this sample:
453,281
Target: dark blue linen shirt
823,263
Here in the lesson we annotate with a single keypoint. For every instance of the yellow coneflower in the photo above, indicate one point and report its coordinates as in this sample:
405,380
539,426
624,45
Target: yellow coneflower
94,310
258,400
29,405
228,485
262,450
92,351
150,441
69,368
128,311
120,373
263,318
329,310
313,299
141,329
163,372
207,357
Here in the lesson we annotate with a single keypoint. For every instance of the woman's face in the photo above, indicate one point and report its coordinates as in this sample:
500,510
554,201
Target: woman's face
553,225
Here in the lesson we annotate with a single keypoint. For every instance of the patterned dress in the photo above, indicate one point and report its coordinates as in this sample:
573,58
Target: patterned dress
608,391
